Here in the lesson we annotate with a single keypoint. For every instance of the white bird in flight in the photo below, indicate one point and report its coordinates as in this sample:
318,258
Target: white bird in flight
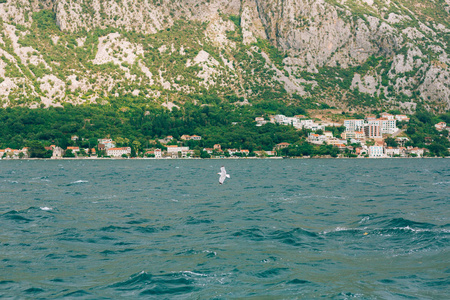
223,174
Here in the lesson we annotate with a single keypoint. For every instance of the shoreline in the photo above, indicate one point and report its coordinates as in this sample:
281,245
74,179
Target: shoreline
213,158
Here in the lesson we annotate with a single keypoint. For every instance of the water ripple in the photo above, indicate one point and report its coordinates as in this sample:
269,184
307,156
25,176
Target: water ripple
285,229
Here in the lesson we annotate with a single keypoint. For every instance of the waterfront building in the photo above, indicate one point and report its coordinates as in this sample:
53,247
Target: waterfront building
74,149
414,151
174,150
58,152
208,150
13,153
118,152
157,153
263,153
376,151
361,151
232,151
244,152
391,151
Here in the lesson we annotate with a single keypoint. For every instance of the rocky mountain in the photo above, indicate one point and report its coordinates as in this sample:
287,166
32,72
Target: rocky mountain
353,54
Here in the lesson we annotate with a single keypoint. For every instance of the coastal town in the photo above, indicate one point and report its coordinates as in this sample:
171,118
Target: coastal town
371,137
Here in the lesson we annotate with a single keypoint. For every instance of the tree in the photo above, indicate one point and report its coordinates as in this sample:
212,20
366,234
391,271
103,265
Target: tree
120,141
438,149
83,152
136,145
204,154
410,130
69,153
390,142
37,150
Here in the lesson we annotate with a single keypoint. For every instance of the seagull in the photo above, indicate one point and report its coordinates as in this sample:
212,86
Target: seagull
223,174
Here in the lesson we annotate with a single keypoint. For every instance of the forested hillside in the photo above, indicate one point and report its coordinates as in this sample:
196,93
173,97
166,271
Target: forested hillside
223,124
141,69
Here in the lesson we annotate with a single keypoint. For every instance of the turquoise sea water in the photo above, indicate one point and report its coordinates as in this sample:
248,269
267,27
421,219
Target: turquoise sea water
277,229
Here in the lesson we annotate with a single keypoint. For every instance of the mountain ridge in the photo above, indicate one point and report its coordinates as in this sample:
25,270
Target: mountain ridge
350,54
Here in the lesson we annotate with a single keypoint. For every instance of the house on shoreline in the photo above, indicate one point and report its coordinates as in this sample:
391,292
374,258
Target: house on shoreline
9,153
118,152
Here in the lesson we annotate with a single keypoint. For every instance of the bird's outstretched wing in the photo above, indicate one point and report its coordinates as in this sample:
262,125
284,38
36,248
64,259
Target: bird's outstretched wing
223,174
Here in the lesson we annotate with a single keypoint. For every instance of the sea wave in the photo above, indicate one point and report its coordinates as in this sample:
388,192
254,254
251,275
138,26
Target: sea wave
442,183
15,215
294,237
77,182
170,284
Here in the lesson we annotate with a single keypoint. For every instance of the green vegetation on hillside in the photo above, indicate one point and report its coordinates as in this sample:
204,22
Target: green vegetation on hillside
169,53
423,134
221,123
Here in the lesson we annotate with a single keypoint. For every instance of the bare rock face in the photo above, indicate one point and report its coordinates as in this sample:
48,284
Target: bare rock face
251,24
321,34
318,33
311,35
145,16
19,11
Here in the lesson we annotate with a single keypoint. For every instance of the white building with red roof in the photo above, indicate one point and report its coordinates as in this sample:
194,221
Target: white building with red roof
118,152
440,126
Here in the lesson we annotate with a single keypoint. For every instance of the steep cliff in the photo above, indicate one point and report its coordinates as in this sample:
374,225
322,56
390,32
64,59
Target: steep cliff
411,36
345,53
